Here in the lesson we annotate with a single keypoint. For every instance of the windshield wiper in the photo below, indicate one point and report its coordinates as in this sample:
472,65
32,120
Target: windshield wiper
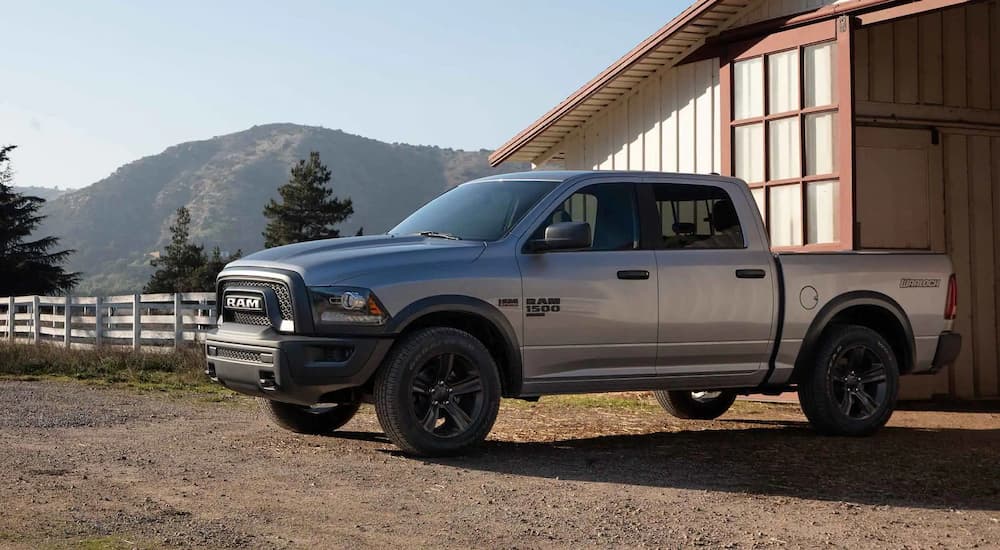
439,235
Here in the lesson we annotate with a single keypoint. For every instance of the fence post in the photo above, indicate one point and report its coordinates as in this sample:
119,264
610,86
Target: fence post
68,321
178,321
11,320
207,311
97,322
136,321
36,319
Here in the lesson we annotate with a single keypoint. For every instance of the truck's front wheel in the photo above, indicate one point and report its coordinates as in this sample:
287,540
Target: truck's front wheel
851,388
309,420
698,405
438,392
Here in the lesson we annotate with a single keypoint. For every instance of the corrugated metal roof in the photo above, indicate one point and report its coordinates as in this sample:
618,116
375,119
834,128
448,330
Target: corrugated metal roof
666,46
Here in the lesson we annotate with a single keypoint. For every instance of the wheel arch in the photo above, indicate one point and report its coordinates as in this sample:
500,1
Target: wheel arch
472,315
874,310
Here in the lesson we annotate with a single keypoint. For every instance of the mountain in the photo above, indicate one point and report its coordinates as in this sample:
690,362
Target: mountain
118,223
47,193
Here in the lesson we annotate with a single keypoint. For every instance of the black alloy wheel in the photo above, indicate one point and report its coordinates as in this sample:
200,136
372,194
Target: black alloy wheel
859,383
447,394
437,393
851,386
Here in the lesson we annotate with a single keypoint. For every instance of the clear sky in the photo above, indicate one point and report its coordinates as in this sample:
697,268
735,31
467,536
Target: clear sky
88,86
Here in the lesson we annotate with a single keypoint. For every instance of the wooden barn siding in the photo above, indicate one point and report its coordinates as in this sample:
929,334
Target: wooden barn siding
670,123
951,76
949,58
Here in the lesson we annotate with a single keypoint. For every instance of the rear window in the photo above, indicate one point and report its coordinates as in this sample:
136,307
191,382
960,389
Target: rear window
697,216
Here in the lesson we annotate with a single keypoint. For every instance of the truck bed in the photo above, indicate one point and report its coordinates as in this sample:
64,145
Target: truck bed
916,282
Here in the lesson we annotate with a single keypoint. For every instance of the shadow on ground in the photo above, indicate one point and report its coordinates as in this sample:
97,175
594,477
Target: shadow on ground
924,468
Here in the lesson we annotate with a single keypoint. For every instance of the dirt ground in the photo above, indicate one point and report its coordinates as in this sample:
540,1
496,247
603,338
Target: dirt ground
100,468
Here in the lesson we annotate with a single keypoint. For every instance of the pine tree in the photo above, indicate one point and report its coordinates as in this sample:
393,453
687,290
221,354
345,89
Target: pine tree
307,211
26,266
185,267
205,277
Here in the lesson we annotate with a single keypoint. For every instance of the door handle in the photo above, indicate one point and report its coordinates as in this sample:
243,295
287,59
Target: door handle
750,273
633,275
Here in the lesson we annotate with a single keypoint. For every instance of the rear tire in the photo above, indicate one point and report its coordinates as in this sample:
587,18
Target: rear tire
308,420
853,384
696,405
438,392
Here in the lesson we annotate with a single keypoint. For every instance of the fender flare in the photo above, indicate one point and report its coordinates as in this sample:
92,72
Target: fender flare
513,376
848,300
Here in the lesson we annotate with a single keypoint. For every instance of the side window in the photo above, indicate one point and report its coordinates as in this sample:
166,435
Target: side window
610,210
697,216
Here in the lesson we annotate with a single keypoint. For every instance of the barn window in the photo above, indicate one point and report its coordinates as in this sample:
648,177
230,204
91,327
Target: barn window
783,122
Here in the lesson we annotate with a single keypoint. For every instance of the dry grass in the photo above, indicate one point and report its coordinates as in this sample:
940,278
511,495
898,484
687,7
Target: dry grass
181,370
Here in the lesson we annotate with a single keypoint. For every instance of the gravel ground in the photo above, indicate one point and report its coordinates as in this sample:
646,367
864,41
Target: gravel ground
99,468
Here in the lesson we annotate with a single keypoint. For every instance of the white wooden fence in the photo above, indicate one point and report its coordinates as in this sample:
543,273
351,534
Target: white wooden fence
140,321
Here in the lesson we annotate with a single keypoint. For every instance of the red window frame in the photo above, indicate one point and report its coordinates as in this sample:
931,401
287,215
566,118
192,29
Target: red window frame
840,32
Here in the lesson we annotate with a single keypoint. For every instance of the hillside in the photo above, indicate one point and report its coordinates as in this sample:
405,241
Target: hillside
116,223
47,193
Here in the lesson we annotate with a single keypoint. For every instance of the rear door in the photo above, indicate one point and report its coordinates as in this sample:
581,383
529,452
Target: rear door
716,282
591,314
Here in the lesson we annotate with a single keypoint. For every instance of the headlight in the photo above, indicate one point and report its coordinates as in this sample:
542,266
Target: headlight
335,305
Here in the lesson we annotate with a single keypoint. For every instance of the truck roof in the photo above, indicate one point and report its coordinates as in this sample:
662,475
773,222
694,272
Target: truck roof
563,175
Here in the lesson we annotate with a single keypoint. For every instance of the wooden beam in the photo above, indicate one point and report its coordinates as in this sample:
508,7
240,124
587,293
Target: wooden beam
819,32
845,130
936,115
725,115
779,24
909,9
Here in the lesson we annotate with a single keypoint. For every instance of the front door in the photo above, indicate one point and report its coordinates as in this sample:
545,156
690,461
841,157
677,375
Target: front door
591,314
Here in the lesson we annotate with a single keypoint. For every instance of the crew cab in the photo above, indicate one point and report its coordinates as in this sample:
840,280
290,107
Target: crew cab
529,284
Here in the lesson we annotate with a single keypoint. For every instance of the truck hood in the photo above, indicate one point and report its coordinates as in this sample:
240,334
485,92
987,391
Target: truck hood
330,261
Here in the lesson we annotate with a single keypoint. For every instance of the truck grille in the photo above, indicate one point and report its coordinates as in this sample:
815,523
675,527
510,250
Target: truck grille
280,290
244,318
239,355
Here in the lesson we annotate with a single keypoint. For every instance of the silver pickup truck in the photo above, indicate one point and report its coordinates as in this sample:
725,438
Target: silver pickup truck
539,283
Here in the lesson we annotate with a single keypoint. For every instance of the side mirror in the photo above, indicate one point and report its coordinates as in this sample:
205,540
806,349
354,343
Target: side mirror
564,236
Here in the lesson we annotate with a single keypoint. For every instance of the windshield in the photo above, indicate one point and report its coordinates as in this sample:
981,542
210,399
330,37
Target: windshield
481,211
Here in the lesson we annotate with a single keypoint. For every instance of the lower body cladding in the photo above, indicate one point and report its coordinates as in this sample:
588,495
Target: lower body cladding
293,369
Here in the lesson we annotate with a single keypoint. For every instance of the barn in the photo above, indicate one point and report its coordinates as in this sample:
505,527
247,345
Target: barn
858,124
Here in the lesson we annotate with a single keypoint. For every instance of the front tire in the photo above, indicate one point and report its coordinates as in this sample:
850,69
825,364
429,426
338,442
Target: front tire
308,420
696,405
438,393
853,384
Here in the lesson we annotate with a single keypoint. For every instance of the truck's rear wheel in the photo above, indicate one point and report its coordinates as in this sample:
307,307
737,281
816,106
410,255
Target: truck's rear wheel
697,405
852,387
438,392
309,420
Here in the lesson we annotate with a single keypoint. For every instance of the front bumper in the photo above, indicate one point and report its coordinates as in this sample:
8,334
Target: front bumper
262,362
